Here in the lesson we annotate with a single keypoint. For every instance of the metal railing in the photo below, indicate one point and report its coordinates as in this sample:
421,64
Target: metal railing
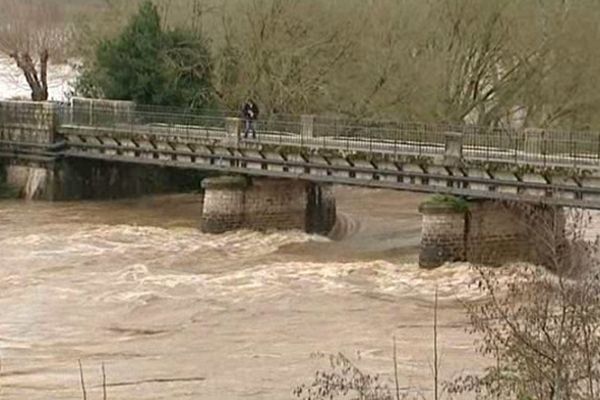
507,145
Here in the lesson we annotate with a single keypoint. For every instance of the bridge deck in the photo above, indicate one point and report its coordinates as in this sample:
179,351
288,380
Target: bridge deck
347,144
538,169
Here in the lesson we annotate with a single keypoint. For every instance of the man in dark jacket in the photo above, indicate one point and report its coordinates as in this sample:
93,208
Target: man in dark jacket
250,114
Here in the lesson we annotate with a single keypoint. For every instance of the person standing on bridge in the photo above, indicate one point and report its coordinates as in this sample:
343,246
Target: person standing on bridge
250,114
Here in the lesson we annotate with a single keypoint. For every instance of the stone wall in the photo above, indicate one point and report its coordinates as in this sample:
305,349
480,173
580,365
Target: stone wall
28,121
489,233
497,234
31,182
97,180
442,236
73,179
224,203
232,203
276,204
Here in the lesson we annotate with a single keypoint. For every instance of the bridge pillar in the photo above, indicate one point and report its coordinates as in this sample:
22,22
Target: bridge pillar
31,124
232,203
443,234
489,233
500,232
224,200
496,234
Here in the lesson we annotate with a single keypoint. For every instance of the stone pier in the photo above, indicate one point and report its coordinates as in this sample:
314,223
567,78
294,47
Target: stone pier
38,130
443,234
488,232
236,202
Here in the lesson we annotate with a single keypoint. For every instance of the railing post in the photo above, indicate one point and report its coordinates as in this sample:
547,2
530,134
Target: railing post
533,141
233,129
307,123
453,148
598,152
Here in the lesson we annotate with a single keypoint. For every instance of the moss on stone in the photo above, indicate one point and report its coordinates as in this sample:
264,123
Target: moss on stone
445,202
226,182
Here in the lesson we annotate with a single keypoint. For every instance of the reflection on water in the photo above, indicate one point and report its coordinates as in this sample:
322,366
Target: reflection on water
175,313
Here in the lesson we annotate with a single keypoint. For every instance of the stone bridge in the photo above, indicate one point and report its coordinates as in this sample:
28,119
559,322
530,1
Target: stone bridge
99,149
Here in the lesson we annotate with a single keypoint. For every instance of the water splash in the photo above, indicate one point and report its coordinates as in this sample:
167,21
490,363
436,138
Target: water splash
36,181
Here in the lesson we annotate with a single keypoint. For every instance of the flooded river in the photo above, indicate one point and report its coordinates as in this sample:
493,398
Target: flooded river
177,314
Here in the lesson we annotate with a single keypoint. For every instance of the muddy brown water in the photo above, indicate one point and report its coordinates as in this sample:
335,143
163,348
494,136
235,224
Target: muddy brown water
177,314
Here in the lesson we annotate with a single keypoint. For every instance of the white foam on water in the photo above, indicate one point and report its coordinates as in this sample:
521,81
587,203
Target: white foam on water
36,179
13,83
98,240
452,282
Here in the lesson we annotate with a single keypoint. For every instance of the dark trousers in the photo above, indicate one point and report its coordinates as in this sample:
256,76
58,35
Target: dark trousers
249,128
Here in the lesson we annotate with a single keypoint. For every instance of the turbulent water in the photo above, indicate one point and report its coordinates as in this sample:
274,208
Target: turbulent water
14,85
176,314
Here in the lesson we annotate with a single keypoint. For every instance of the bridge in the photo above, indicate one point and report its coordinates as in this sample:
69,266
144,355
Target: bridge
537,166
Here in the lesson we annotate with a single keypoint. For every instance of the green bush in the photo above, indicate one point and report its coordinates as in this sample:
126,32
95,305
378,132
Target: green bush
150,65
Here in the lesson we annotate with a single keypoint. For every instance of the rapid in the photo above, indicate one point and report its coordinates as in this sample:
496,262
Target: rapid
177,314
174,313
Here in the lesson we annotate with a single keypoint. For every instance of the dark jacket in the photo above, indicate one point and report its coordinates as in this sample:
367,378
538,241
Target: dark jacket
250,110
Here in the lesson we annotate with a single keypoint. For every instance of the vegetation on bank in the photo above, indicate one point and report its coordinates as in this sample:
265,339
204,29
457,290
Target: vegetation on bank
538,330
149,64
488,62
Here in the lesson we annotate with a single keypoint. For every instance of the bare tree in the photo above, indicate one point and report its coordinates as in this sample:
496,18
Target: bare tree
284,52
31,32
345,380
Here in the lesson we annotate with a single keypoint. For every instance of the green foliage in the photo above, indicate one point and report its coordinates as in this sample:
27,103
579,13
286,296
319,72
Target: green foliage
491,63
456,203
151,65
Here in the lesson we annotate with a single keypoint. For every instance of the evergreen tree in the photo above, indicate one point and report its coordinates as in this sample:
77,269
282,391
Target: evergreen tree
151,65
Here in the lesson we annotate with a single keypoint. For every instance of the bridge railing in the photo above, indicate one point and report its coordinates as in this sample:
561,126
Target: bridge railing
540,146
174,120
24,113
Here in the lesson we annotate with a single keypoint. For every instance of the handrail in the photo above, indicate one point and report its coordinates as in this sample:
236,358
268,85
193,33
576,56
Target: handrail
508,145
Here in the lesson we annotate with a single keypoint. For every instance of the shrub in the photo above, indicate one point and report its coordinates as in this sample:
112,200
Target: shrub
150,65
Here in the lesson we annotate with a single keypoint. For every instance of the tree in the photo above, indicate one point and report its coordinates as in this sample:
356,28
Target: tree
492,63
31,30
151,65
540,330
282,52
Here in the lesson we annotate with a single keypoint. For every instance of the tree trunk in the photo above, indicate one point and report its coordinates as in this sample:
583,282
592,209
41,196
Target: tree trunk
37,84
